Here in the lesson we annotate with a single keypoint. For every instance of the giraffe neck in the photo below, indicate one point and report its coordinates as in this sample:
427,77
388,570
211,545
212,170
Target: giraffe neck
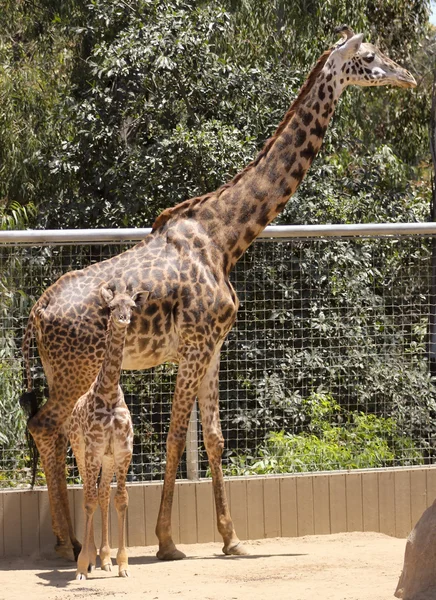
241,211
235,214
107,381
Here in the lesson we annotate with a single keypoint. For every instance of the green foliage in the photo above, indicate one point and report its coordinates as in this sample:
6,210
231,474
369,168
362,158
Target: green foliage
13,302
351,187
34,62
161,120
112,111
334,439
16,216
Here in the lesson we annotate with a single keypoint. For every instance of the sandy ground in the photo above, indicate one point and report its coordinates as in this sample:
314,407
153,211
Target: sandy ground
348,566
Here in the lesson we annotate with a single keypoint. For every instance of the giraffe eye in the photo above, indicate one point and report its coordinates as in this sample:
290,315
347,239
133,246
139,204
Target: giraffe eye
368,58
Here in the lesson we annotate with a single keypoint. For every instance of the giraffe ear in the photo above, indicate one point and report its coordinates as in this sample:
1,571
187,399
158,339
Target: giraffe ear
106,293
351,46
140,296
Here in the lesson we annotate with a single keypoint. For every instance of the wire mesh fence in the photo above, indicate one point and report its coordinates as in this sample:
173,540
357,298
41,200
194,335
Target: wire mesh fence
329,365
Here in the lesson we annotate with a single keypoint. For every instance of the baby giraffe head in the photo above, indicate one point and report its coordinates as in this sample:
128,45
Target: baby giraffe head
353,62
120,303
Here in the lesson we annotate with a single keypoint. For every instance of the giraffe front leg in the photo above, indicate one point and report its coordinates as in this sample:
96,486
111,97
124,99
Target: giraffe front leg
86,559
92,549
123,450
191,372
104,491
78,444
167,549
208,400
121,504
92,462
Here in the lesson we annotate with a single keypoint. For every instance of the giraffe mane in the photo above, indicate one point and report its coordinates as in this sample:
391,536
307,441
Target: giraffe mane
190,203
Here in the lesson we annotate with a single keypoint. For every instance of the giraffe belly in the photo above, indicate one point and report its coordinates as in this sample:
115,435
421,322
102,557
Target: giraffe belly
138,363
138,357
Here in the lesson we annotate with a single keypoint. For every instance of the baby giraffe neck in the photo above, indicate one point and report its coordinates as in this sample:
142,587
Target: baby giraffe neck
107,381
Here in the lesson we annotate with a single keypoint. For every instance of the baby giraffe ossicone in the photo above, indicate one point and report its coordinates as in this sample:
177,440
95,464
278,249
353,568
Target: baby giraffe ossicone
101,436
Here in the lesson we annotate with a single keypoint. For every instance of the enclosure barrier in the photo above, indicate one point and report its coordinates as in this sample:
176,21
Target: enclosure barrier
386,501
329,368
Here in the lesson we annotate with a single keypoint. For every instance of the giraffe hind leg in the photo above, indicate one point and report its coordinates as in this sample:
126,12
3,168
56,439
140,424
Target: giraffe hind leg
52,449
61,453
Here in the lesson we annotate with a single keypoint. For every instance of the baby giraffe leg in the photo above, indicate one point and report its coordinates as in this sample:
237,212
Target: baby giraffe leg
121,504
78,445
92,549
87,554
104,492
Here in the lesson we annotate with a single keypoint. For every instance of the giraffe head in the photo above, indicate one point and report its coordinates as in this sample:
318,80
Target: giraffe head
120,303
359,63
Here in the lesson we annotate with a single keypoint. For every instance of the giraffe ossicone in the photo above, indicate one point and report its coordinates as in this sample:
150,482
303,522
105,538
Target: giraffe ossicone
184,264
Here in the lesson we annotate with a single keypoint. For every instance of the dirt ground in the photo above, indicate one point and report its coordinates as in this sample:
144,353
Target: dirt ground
347,566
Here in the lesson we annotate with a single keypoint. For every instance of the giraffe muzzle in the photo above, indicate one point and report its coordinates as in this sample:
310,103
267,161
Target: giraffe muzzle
122,321
406,80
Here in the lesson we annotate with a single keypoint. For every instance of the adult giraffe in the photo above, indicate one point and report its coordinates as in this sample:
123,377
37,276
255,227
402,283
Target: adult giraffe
184,264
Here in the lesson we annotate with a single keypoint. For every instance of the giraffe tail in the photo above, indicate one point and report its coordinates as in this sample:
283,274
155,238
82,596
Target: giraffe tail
28,400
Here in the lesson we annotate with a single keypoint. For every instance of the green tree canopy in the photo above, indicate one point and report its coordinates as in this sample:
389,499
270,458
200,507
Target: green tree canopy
113,110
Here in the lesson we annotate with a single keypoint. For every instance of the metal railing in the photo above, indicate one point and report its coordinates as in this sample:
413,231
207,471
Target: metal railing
90,236
329,364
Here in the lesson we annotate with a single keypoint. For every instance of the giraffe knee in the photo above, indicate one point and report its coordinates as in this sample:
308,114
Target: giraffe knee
214,445
90,505
121,500
176,444
42,427
35,426
90,500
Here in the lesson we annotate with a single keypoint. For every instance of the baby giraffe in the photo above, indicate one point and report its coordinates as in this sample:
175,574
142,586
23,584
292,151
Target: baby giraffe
101,436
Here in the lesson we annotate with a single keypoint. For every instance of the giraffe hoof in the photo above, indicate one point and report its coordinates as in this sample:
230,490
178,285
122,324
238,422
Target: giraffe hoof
106,567
67,552
80,576
172,554
91,567
124,573
237,550
77,547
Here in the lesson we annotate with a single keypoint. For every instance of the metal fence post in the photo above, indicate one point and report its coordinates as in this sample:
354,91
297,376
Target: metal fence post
192,445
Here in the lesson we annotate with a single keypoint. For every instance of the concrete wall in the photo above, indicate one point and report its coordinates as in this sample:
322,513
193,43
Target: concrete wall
387,501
